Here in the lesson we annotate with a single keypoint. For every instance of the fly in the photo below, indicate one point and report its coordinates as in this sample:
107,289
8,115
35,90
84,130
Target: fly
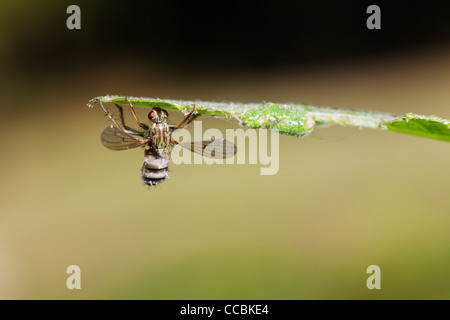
157,140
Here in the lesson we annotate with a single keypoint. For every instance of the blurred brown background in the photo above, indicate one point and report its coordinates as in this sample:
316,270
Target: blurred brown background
343,199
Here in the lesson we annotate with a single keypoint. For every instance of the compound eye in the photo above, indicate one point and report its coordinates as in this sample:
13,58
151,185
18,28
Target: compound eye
165,114
152,115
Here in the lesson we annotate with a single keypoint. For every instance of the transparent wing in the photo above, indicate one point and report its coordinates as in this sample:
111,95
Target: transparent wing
216,148
115,139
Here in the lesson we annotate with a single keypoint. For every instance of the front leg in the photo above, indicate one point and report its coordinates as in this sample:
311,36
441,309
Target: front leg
186,120
142,125
128,129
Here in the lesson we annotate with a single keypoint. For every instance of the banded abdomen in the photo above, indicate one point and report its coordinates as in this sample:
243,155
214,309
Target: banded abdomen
155,168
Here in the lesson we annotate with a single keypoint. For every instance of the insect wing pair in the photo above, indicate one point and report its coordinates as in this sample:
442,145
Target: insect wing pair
115,139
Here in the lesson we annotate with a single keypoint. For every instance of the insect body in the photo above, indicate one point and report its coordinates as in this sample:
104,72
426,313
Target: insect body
158,142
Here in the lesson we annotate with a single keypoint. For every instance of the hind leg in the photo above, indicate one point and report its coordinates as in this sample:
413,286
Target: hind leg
109,115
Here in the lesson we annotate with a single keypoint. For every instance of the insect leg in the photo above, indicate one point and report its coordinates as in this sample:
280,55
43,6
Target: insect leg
187,120
134,132
173,142
109,115
143,126
128,129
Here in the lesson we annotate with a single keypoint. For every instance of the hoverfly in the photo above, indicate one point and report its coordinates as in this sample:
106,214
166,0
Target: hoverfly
157,140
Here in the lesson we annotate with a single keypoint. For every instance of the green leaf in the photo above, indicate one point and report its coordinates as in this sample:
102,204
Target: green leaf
296,119
422,126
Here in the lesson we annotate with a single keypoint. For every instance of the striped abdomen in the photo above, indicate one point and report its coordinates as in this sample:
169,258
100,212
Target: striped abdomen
155,168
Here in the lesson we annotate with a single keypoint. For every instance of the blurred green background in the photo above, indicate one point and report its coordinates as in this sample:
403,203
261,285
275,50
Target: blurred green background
343,199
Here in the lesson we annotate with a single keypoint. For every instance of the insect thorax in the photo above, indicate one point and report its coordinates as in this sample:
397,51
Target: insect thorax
159,133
